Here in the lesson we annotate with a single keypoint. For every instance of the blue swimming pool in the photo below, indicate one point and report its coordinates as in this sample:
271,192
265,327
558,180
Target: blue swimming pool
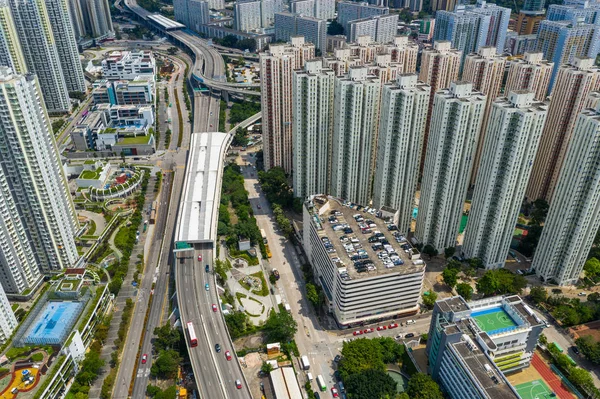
54,323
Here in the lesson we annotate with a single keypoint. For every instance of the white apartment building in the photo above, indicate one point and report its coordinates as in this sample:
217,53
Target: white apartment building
531,73
312,98
361,284
199,14
485,69
11,54
288,25
574,215
350,11
66,45
277,65
252,15
356,116
128,65
40,51
216,4
401,130
8,321
455,128
380,28
322,9
511,141
30,162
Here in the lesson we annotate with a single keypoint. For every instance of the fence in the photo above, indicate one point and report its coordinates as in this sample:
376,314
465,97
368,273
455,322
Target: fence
566,381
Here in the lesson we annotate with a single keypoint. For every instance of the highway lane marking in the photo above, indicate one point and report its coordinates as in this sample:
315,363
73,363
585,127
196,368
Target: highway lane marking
213,357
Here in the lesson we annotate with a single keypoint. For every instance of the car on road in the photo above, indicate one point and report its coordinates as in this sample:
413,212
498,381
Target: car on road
399,337
357,332
214,307
393,325
368,330
207,287
144,358
575,350
227,355
218,347
381,328
258,206
409,335
335,393
337,358
207,268
199,258
238,384
317,395
582,294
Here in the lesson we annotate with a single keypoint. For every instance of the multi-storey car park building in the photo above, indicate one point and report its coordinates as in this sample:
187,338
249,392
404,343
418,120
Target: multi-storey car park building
356,115
574,215
455,127
128,65
40,52
368,271
472,344
30,162
530,73
511,141
573,84
401,131
485,69
11,54
276,66
312,98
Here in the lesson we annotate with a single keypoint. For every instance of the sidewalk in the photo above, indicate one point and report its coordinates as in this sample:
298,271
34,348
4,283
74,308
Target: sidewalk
127,291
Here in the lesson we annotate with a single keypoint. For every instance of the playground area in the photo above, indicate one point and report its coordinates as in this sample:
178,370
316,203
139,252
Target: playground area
20,381
536,389
494,320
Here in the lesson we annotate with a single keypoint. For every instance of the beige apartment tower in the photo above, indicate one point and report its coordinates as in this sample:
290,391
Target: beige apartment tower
277,66
573,84
530,73
485,69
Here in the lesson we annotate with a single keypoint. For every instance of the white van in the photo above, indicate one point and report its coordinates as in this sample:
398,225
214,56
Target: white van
409,322
309,376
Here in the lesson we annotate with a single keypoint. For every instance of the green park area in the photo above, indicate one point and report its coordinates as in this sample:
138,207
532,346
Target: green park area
135,140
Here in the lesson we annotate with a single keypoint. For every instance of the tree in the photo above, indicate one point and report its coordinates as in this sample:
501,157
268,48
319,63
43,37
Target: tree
166,337
538,294
312,294
77,95
540,211
370,384
166,365
450,277
57,125
476,263
421,386
360,355
429,300
592,269
90,367
237,324
172,50
266,367
239,139
593,297
465,290
581,377
449,252
454,264
430,250
280,327
589,348
499,282
335,28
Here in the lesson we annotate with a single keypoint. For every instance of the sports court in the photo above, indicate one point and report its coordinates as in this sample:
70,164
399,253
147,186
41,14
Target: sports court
536,389
54,323
494,320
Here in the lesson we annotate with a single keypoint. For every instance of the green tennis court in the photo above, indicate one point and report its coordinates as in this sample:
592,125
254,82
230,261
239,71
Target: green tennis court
536,389
493,320
463,223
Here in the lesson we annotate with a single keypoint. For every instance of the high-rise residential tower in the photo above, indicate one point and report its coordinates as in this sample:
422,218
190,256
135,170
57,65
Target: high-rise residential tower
313,30
216,4
574,215
485,69
401,131
322,9
511,141
8,321
276,67
530,73
11,54
563,41
381,28
448,163
29,159
66,45
356,113
573,84
351,11
40,51
90,18
312,99
439,67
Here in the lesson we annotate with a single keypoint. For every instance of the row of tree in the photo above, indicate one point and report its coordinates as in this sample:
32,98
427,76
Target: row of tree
568,311
275,185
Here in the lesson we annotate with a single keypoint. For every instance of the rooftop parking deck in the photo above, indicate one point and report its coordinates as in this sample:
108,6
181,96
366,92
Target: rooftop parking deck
363,245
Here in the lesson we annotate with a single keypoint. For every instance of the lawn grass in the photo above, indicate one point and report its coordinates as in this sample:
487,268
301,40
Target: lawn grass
264,287
135,140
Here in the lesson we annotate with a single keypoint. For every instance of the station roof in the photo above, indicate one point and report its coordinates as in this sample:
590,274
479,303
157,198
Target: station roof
199,206
165,23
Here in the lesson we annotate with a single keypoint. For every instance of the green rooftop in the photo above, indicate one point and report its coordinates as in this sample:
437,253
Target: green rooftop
89,162
135,140
91,174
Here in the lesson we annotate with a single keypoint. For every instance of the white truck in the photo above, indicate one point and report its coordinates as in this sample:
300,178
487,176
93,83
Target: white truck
305,362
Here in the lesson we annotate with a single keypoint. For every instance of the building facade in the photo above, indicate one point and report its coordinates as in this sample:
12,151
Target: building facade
513,133
8,321
401,131
356,114
36,178
288,25
530,73
485,70
574,215
351,11
312,130
381,28
573,84
455,128
128,65
276,67
11,54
